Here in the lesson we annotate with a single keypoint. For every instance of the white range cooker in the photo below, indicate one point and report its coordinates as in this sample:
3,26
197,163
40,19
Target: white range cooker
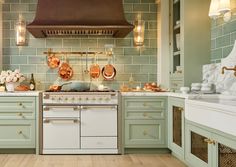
79,123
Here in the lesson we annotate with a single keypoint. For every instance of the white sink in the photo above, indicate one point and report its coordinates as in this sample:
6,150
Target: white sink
214,111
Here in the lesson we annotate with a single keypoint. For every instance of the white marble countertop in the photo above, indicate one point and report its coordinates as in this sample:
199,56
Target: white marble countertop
20,93
170,94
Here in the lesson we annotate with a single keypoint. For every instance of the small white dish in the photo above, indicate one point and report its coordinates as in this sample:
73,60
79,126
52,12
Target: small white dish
185,90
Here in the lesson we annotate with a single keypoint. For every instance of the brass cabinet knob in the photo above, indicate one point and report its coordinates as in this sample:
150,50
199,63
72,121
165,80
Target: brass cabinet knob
20,104
20,132
145,104
145,133
20,114
145,114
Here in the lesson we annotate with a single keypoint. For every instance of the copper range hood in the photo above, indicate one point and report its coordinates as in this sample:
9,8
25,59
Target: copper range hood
79,17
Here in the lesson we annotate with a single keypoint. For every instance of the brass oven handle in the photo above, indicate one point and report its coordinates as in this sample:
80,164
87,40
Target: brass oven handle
61,120
47,108
106,107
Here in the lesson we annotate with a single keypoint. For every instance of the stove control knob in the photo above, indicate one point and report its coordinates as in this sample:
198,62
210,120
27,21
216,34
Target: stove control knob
107,99
94,99
72,98
53,98
87,98
100,98
59,99
80,99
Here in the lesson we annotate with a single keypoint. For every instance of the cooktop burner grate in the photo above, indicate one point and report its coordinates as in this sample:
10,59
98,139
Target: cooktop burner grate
81,91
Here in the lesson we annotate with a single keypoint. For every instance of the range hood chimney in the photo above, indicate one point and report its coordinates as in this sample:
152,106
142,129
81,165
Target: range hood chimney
79,17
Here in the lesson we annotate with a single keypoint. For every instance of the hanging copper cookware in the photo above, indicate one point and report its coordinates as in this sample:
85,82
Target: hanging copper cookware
65,71
53,61
109,71
95,69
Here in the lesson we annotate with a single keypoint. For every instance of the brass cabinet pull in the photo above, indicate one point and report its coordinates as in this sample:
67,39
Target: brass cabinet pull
209,141
181,109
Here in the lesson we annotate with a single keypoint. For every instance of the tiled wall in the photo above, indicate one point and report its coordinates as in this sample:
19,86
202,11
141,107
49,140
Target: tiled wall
129,60
223,36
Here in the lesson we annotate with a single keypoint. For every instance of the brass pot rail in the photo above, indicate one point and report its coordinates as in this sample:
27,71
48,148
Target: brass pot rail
49,52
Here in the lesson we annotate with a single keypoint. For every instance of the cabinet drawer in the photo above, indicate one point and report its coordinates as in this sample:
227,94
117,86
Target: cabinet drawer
141,103
98,142
17,134
149,114
144,133
17,108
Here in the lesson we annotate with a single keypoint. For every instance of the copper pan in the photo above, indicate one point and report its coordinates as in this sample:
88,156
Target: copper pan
53,61
95,69
109,71
65,71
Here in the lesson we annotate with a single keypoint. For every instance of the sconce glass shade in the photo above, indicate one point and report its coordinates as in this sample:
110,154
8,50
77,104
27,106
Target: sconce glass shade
224,6
139,30
213,11
20,29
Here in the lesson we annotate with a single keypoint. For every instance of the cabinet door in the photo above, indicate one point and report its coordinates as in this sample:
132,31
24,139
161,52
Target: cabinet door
144,133
225,151
176,126
198,148
17,134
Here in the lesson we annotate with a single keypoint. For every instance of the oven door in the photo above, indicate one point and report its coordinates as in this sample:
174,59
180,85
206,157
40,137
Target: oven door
61,133
61,127
99,121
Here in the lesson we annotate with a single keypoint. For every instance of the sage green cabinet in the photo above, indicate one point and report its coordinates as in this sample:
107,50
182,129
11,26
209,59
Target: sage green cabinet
207,147
176,129
18,123
17,134
144,133
190,44
144,122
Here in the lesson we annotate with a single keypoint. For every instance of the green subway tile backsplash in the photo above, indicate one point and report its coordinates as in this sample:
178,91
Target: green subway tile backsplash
223,36
141,63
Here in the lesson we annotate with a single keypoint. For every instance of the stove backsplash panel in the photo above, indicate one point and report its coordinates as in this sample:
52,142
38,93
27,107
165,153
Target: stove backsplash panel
129,60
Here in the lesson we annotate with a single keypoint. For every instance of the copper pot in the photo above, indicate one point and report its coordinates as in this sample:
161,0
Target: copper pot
53,61
65,71
109,72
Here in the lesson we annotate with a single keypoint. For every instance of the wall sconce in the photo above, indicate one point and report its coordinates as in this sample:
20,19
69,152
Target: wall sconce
220,8
139,29
20,29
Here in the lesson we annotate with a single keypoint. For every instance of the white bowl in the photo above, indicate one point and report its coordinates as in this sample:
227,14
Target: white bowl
196,85
184,90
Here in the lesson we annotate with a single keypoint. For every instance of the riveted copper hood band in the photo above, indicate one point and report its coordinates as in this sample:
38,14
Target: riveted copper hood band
79,17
